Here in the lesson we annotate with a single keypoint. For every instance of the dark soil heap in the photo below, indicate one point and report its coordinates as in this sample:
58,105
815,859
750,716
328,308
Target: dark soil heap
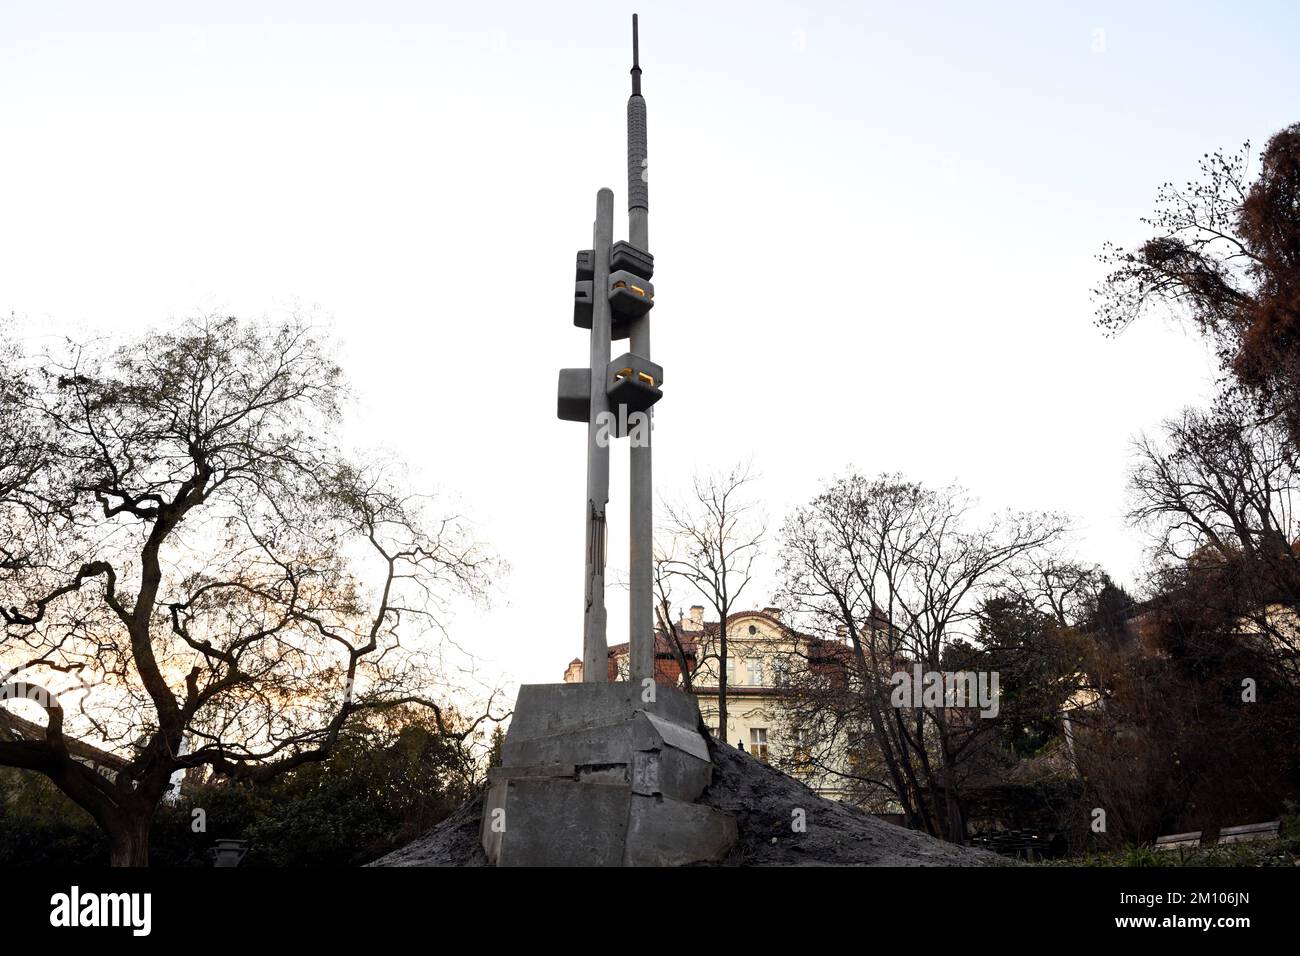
763,801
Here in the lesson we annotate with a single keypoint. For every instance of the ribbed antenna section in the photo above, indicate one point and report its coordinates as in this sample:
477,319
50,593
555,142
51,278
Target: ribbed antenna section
638,191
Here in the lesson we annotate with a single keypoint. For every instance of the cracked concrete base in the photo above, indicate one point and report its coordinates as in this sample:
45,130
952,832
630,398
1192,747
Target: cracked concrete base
596,775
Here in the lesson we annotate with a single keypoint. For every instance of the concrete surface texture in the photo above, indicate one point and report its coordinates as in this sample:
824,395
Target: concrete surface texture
603,774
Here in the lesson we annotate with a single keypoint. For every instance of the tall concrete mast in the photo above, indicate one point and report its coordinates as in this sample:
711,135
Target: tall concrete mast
613,296
641,762
641,651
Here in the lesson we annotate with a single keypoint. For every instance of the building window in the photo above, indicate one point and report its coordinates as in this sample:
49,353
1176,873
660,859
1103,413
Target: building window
803,750
758,742
731,670
754,671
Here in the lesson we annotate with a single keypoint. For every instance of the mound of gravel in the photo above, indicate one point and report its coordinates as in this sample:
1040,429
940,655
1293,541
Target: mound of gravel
764,801
453,842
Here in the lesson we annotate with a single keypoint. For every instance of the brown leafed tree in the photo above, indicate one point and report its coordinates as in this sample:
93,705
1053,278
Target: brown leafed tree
1224,251
195,577
1175,741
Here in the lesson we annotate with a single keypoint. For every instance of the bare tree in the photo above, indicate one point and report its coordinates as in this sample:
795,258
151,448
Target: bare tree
1215,480
713,542
201,579
899,570
20,457
1219,492
1062,589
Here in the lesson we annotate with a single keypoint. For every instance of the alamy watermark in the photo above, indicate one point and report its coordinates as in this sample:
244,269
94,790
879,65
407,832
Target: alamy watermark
635,426
936,689
75,908
21,690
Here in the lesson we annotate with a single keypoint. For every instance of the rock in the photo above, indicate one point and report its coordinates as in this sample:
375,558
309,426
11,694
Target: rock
762,800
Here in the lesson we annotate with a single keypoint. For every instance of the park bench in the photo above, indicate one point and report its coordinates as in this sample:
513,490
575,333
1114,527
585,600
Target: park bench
1179,841
1250,832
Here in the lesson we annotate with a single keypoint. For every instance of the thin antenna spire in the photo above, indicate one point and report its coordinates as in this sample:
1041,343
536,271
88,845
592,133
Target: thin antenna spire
638,197
636,59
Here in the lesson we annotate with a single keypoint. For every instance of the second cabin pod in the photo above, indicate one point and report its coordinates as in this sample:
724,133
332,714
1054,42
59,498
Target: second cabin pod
630,296
633,381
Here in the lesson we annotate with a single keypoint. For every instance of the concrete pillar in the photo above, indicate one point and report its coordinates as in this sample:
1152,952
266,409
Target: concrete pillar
641,650
595,648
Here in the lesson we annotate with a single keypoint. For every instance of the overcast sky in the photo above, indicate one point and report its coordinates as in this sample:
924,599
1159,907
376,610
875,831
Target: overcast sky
874,228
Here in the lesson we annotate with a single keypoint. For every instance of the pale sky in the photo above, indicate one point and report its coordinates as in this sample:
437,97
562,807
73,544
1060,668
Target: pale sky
874,228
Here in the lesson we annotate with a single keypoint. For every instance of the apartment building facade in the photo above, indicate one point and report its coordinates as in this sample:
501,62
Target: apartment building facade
761,651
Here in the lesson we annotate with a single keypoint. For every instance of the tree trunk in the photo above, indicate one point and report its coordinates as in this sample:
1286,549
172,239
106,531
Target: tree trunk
956,819
897,760
128,840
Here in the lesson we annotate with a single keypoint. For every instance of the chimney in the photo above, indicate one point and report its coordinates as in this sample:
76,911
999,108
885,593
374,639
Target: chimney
841,632
697,615
573,673
773,612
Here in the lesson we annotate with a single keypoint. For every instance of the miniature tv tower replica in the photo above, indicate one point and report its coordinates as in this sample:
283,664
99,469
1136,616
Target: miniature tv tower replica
606,773
613,297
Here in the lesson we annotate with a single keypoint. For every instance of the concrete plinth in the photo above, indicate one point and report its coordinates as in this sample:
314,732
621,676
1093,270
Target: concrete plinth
595,775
